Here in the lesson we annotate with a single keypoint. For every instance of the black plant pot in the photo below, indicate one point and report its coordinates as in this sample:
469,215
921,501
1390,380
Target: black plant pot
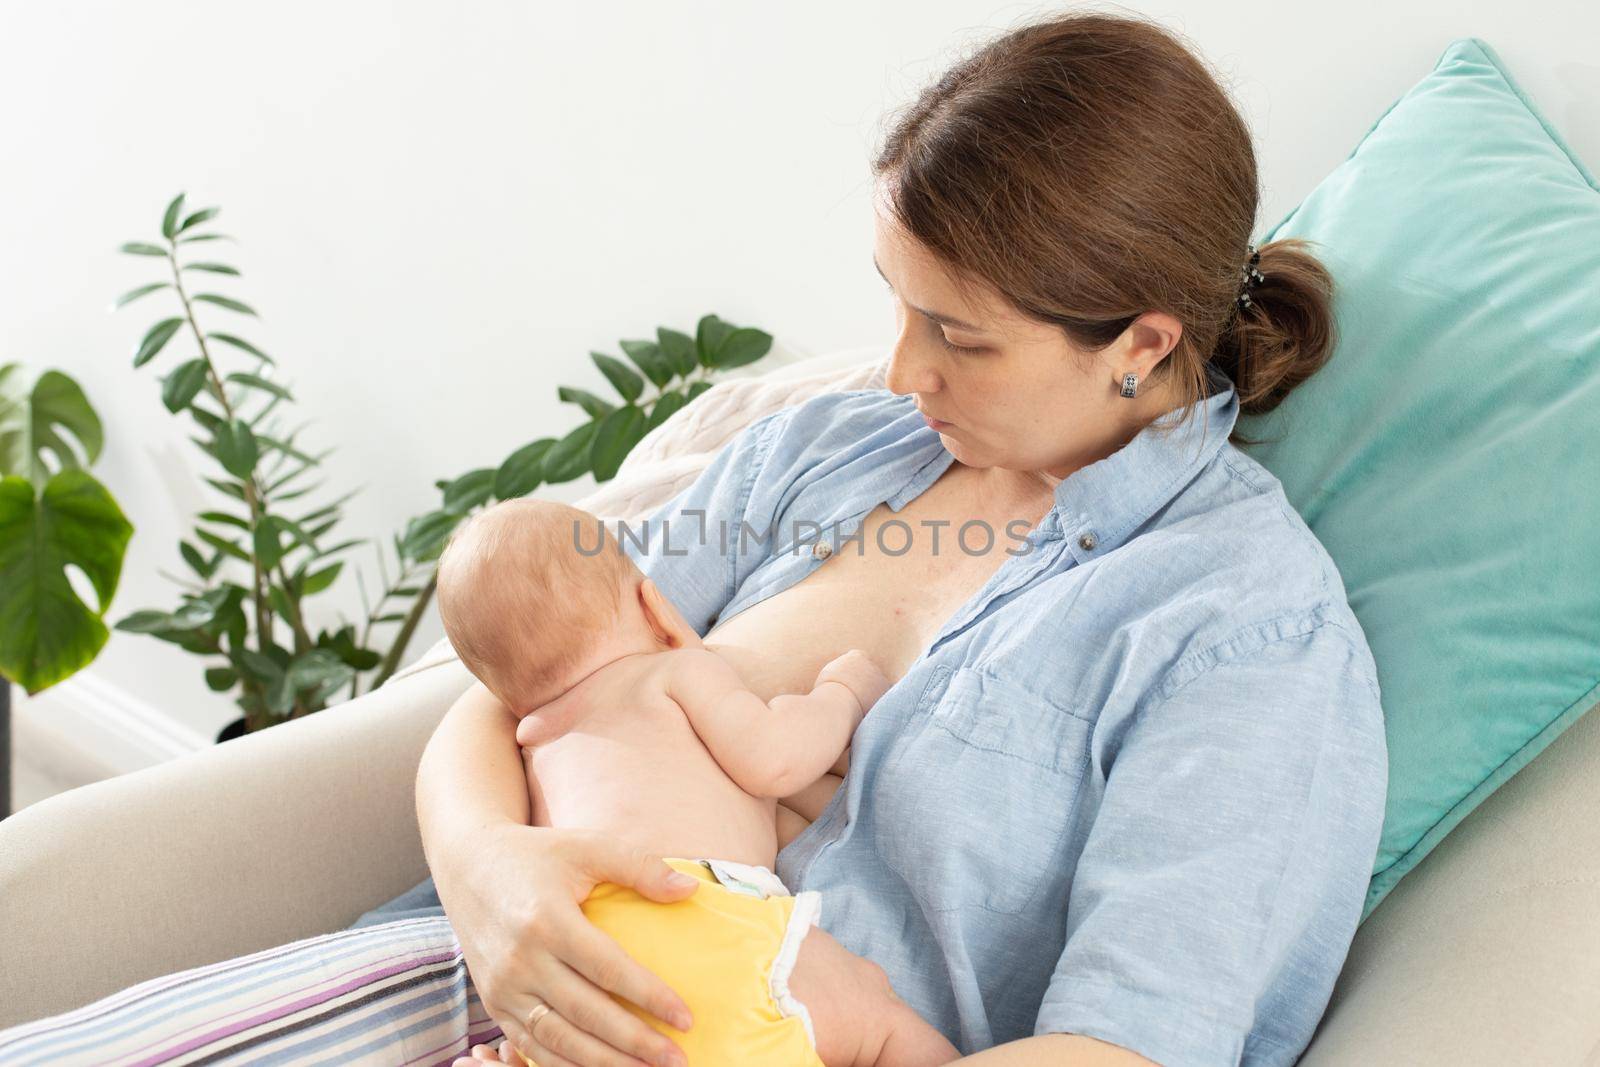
232,730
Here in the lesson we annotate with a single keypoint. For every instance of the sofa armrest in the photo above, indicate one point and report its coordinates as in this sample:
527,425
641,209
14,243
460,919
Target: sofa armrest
274,836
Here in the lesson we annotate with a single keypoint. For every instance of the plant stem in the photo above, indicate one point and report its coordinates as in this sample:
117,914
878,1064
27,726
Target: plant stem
263,619
391,661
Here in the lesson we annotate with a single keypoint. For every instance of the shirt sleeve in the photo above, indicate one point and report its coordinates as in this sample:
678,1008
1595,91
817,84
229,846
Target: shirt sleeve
682,545
1224,874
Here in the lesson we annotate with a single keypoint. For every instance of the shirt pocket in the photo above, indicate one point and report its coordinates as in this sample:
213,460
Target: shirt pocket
974,802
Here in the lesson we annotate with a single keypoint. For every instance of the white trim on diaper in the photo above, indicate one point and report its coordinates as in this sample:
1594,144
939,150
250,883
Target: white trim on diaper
807,912
745,877
755,880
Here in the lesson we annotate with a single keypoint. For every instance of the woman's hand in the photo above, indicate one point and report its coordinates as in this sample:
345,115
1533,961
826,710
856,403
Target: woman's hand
527,942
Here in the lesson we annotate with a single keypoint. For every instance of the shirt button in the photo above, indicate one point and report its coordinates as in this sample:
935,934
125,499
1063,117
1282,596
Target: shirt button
1087,541
822,550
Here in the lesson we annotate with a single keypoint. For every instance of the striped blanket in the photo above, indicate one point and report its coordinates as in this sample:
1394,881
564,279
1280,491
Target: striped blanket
391,994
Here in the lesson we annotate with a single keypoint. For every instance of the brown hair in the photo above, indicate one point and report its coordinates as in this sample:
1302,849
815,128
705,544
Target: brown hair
521,604
1090,167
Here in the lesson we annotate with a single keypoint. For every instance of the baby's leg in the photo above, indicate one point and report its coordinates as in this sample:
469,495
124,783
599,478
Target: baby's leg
858,1019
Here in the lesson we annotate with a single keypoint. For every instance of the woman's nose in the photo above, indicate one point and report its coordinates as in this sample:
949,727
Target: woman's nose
909,370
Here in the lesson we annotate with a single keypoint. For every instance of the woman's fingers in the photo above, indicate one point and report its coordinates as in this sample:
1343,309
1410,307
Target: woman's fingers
596,955
606,859
519,1044
593,1030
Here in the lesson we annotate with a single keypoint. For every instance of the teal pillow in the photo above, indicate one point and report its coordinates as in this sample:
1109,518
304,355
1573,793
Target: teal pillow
1448,455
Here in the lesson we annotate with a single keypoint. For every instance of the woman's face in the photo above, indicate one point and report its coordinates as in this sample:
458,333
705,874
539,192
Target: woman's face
1010,391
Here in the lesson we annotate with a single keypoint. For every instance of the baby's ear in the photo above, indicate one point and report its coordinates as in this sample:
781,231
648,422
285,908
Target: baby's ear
666,621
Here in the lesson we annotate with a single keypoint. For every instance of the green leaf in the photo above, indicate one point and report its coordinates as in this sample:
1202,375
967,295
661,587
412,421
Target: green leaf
225,301
269,549
662,409
142,248
214,268
696,388
200,611
193,557
146,621
169,221
523,470
204,237
154,340
343,645
223,545
340,547
621,376
648,357
615,437
203,215
208,420
241,343
592,405
679,348
183,384
231,488
319,666
469,490
708,338
741,346
425,535
46,632
317,581
42,420
133,294
256,382
568,458
236,448
219,679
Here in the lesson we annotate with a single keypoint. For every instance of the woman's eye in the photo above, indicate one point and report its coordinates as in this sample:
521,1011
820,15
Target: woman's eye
952,346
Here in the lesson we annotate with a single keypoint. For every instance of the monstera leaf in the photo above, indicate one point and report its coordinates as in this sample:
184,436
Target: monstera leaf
32,422
46,631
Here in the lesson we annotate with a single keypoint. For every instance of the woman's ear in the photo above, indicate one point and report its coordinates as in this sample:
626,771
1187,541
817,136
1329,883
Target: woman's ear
665,620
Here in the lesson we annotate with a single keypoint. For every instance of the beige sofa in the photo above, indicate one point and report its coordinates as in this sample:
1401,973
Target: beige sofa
1487,953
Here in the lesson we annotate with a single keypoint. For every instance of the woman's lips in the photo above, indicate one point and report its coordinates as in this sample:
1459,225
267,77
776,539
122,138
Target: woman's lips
934,423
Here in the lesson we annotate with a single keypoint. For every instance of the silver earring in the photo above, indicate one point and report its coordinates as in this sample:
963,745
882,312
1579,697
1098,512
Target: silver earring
1130,384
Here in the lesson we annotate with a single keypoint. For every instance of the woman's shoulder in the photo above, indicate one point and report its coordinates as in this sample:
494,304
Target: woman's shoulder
850,413
1231,566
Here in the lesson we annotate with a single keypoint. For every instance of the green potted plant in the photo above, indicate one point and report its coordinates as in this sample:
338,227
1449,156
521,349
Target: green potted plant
264,550
54,514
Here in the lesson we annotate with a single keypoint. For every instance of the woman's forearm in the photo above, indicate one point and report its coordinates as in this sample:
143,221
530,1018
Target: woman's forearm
1056,1050
471,775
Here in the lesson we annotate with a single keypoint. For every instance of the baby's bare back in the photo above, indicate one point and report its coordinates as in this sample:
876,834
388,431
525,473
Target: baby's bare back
631,764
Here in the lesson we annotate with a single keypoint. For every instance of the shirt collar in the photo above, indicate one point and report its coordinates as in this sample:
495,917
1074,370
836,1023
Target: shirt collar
1097,507
1100,505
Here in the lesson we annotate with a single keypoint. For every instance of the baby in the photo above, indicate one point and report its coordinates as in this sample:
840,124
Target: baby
630,724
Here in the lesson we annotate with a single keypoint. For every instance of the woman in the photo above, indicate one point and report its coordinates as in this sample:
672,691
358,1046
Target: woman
1123,801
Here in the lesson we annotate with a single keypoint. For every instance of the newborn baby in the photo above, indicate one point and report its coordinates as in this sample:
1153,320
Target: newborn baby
630,724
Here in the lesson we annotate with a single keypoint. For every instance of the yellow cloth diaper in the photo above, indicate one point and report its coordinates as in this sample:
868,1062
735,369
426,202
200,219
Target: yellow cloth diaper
728,950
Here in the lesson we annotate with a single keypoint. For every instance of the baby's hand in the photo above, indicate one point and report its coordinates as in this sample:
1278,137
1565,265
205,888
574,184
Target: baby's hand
856,670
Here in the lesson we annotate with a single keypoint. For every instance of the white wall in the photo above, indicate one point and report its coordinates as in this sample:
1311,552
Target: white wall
443,208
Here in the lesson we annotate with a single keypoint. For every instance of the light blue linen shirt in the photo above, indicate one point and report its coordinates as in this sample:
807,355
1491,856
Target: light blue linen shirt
1134,787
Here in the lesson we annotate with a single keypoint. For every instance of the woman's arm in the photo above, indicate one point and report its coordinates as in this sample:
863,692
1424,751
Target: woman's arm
511,892
471,775
1056,1050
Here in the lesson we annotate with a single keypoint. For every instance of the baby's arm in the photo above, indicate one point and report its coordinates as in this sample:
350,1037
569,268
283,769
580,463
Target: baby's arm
773,749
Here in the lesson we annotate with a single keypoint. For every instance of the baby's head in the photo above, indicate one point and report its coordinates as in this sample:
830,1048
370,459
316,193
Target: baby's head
536,595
